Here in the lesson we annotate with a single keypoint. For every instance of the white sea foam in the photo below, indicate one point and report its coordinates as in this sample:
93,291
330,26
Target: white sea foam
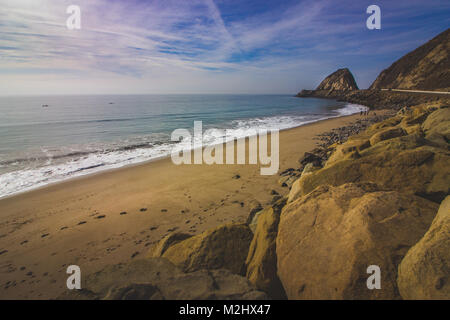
33,177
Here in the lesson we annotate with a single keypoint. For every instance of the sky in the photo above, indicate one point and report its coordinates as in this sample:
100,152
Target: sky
204,46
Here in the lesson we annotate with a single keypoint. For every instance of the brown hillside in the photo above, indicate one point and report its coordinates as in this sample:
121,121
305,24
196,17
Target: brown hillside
426,68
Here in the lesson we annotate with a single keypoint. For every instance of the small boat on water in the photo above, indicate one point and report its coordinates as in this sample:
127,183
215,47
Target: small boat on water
45,106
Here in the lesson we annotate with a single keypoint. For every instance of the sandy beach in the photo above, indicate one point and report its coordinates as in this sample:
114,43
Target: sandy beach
115,216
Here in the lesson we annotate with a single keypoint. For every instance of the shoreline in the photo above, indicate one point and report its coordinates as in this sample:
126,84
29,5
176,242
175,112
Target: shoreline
115,216
158,158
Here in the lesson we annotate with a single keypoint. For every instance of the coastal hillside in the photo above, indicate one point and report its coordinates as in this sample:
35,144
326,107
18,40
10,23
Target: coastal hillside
426,68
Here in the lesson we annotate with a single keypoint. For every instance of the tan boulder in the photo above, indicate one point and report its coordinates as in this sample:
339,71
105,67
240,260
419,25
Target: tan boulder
255,209
437,126
413,129
405,164
328,238
388,123
348,150
158,279
223,247
166,242
386,134
261,263
424,272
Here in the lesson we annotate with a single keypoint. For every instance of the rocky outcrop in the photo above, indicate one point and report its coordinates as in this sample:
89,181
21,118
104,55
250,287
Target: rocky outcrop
159,279
166,242
386,134
395,160
426,68
393,100
437,127
255,209
261,262
225,247
424,273
328,237
338,82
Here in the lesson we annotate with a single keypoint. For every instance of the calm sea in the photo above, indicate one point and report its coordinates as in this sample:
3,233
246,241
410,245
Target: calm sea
77,135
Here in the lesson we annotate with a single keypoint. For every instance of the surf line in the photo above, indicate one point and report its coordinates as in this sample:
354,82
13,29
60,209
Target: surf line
214,154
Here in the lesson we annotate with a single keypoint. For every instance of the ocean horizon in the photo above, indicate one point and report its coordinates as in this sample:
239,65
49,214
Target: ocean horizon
47,139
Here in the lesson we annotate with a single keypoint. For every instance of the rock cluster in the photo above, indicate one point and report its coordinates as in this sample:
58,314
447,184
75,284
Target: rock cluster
372,203
159,279
368,195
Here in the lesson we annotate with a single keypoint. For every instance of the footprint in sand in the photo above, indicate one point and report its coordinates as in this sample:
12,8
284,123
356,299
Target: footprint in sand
23,242
163,210
4,251
143,209
63,228
100,216
135,254
123,213
81,222
45,235
153,228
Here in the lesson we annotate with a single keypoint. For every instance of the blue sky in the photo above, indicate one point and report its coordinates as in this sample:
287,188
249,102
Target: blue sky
203,46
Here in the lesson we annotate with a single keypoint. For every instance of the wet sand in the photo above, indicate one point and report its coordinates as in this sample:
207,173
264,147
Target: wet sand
115,216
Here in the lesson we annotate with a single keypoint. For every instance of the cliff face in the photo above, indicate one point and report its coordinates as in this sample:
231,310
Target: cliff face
426,68
341,80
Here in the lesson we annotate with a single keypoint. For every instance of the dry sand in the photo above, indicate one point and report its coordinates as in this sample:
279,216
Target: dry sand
114,216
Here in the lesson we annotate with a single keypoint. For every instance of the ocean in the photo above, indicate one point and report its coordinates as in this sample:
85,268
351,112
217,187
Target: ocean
46,139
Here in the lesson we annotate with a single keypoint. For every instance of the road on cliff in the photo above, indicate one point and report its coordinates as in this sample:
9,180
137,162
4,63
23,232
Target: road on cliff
417,91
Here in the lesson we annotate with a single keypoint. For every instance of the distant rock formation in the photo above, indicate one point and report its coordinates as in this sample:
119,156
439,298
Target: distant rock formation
426,68
339,82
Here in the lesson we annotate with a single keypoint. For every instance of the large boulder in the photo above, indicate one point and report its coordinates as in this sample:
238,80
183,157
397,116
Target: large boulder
166,242
386,134
424,273
261,263
407,164
327,239
158,279
437,126
223,247
349,149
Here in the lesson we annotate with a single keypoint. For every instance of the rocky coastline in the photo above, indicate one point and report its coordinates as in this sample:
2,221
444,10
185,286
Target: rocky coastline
373,193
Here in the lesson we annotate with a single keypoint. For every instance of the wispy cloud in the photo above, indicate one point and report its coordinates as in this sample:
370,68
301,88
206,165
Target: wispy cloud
198,45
